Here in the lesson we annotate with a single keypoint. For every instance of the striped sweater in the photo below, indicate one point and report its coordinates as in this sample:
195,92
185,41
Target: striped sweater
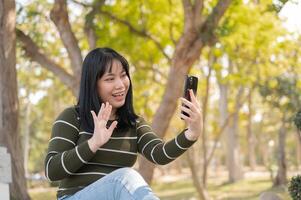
70,161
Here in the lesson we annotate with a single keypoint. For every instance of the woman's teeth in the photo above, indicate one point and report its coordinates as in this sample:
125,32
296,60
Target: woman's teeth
117,95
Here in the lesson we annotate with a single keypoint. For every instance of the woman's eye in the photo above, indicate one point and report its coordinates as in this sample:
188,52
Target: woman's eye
123,75
109,79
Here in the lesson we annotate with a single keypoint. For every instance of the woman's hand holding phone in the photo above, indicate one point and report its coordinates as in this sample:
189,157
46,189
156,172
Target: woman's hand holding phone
195,119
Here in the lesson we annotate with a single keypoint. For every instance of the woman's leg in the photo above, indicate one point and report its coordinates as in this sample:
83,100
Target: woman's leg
122,184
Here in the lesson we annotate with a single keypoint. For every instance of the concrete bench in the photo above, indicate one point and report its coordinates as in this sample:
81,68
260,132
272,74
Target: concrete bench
5,173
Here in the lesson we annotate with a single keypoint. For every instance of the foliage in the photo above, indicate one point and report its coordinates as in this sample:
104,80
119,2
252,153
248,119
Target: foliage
282,92
294,187
297,120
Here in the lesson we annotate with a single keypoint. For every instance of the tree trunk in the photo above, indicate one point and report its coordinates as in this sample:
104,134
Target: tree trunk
9,136
281,178
26,137
223,110
263,157
203,194
298,133
211,61
298,149
233,155
250,135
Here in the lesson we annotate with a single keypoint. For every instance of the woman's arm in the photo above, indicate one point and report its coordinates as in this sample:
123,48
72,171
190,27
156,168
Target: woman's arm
155,150
64,156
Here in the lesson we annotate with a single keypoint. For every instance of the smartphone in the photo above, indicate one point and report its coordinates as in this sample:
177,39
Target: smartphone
191,82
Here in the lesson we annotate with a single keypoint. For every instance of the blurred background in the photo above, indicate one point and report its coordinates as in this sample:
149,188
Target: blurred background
246,54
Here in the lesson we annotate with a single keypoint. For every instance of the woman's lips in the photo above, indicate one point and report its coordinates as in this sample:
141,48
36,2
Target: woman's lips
118,97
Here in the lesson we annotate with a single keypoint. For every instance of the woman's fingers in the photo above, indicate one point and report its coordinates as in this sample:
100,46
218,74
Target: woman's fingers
103,114
186,110
94,116
189,104
107,111
112,127
191,108
108,114
194,101
192,97
185,118
99,116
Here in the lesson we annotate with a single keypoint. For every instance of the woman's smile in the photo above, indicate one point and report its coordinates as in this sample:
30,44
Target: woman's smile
119,96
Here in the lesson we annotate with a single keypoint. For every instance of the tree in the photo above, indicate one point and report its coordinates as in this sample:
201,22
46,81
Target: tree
244,44
297,121
9,108
283,94
250,134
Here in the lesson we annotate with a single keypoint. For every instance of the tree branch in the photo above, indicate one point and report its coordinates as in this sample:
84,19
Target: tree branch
33,52
238,106
188,16
171,35
208,27
59,15
189,43
82,4
277,7
138,32
89,24
197,11
156,71
171,25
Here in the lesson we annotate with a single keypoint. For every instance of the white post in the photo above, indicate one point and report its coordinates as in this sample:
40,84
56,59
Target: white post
5,173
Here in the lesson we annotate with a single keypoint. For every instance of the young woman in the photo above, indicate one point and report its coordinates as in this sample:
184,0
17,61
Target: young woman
95,143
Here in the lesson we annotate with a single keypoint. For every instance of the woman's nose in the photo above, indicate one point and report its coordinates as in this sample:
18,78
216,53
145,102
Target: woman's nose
119,83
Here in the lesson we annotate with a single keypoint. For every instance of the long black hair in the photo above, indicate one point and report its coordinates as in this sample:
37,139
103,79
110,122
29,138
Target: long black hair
95,64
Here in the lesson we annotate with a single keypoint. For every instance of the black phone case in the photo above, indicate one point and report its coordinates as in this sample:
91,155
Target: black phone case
191,82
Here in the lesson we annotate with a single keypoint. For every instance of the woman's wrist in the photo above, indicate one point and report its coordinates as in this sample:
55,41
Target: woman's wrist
190,135
93,147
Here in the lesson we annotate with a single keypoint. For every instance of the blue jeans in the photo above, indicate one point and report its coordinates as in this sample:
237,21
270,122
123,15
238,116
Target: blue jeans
121,184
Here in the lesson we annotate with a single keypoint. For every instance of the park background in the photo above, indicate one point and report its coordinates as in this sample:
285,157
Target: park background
246,54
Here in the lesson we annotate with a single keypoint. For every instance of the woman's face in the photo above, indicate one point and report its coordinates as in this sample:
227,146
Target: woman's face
113,86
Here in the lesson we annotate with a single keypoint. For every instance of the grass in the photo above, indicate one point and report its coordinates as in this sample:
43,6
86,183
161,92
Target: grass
47,194
248,189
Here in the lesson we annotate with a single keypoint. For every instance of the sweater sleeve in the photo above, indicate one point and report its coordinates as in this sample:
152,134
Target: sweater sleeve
64,156
155,149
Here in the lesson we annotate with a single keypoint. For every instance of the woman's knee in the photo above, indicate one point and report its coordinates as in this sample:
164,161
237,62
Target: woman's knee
129,173
134,183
